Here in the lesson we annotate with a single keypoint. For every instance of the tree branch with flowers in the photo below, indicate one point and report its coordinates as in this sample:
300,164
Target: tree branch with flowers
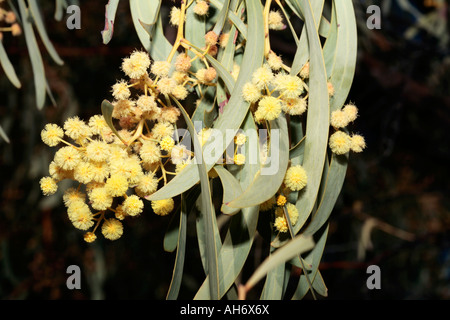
194,111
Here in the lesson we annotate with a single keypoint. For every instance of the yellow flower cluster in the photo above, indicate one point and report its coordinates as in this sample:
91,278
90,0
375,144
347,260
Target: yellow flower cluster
115,171
295,180
281,223
116,168
340,142
105,170
271,91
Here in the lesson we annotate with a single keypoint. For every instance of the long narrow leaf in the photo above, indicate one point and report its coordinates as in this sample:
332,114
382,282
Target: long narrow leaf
333,186
37,64
147,13
345,56
34,9
317,121
107,111
177,274
231,188
241,232
207,209
315,256
265,185
294,247
194,31
303,49
8,67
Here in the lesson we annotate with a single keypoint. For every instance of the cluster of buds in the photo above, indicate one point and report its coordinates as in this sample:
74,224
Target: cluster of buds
10,24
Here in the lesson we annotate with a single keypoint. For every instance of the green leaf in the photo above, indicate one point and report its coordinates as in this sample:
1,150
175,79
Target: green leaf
205,106
170,242
314,256
4,135
345,56
240,25
177,274
61,5
317,122
222,17
40,83
231,188
265,184
8,67
194,32
231,118
110,14
171,237
329,48
223,73
207,209
319,285
333,185
292,248
298,150
148,13
274,284
303,52
324,27
107,111
240,235
34,9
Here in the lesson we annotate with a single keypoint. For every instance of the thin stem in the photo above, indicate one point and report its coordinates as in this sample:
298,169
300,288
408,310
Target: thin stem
266,27
180,32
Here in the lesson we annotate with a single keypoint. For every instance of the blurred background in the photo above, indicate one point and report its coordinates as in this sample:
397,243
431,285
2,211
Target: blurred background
393,210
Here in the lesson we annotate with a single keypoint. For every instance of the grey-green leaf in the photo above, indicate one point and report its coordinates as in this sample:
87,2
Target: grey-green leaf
8,67
177,274
34,9
292,248
207,210
270,177
317,123
110,15
107,111
37,64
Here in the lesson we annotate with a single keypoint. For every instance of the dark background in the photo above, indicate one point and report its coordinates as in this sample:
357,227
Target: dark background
400,181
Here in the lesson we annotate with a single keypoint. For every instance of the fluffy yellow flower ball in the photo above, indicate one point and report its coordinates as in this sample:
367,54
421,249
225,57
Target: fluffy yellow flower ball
163,207
112,229
340,142
48,186
52,134
296,178
132,205
116,185
269,108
